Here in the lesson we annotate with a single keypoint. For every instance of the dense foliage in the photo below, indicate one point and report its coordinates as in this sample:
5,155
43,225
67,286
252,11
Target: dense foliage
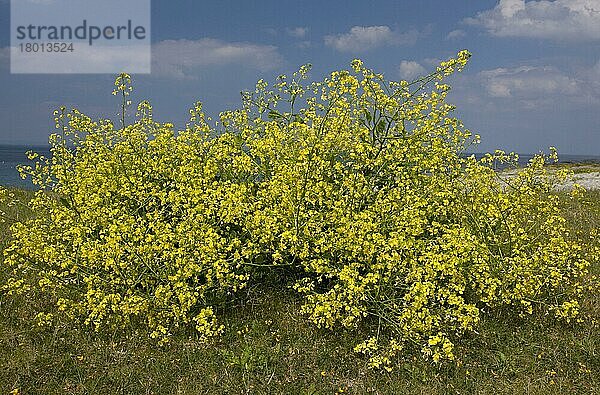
358,183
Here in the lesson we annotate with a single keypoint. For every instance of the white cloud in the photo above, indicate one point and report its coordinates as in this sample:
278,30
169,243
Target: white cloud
592,76
596,69
363,38
304,44
85,59
531,86
178,58
528,82
456,34
409,69
171,58
433,61
558,20
298,32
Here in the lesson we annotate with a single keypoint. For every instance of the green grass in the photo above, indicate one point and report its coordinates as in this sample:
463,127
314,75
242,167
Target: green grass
269,348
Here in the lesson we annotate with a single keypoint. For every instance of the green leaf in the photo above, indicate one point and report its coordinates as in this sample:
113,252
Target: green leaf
273,115
65,202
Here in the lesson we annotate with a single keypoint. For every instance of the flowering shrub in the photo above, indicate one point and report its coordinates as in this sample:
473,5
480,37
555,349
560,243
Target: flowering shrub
358,181
132,223
365,188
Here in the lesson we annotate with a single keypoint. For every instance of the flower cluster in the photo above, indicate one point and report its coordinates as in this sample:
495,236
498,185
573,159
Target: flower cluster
132,223
360,182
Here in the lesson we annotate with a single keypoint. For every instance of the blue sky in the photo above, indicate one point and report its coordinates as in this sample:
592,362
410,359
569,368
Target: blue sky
533,80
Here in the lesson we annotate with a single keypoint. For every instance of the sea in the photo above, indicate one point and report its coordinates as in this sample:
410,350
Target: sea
13,155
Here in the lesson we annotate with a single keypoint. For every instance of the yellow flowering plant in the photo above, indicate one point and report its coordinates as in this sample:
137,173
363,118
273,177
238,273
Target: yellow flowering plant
358,183
131,224
366,187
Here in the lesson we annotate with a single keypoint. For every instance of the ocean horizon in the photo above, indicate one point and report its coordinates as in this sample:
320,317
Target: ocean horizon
13,155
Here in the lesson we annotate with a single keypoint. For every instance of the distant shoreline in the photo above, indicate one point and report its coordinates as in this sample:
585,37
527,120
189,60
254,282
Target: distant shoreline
13,155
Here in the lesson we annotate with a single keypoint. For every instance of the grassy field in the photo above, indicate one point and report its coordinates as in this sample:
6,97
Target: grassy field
268,348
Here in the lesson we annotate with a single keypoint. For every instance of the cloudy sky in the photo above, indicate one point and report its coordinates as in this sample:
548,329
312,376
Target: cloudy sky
533,81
